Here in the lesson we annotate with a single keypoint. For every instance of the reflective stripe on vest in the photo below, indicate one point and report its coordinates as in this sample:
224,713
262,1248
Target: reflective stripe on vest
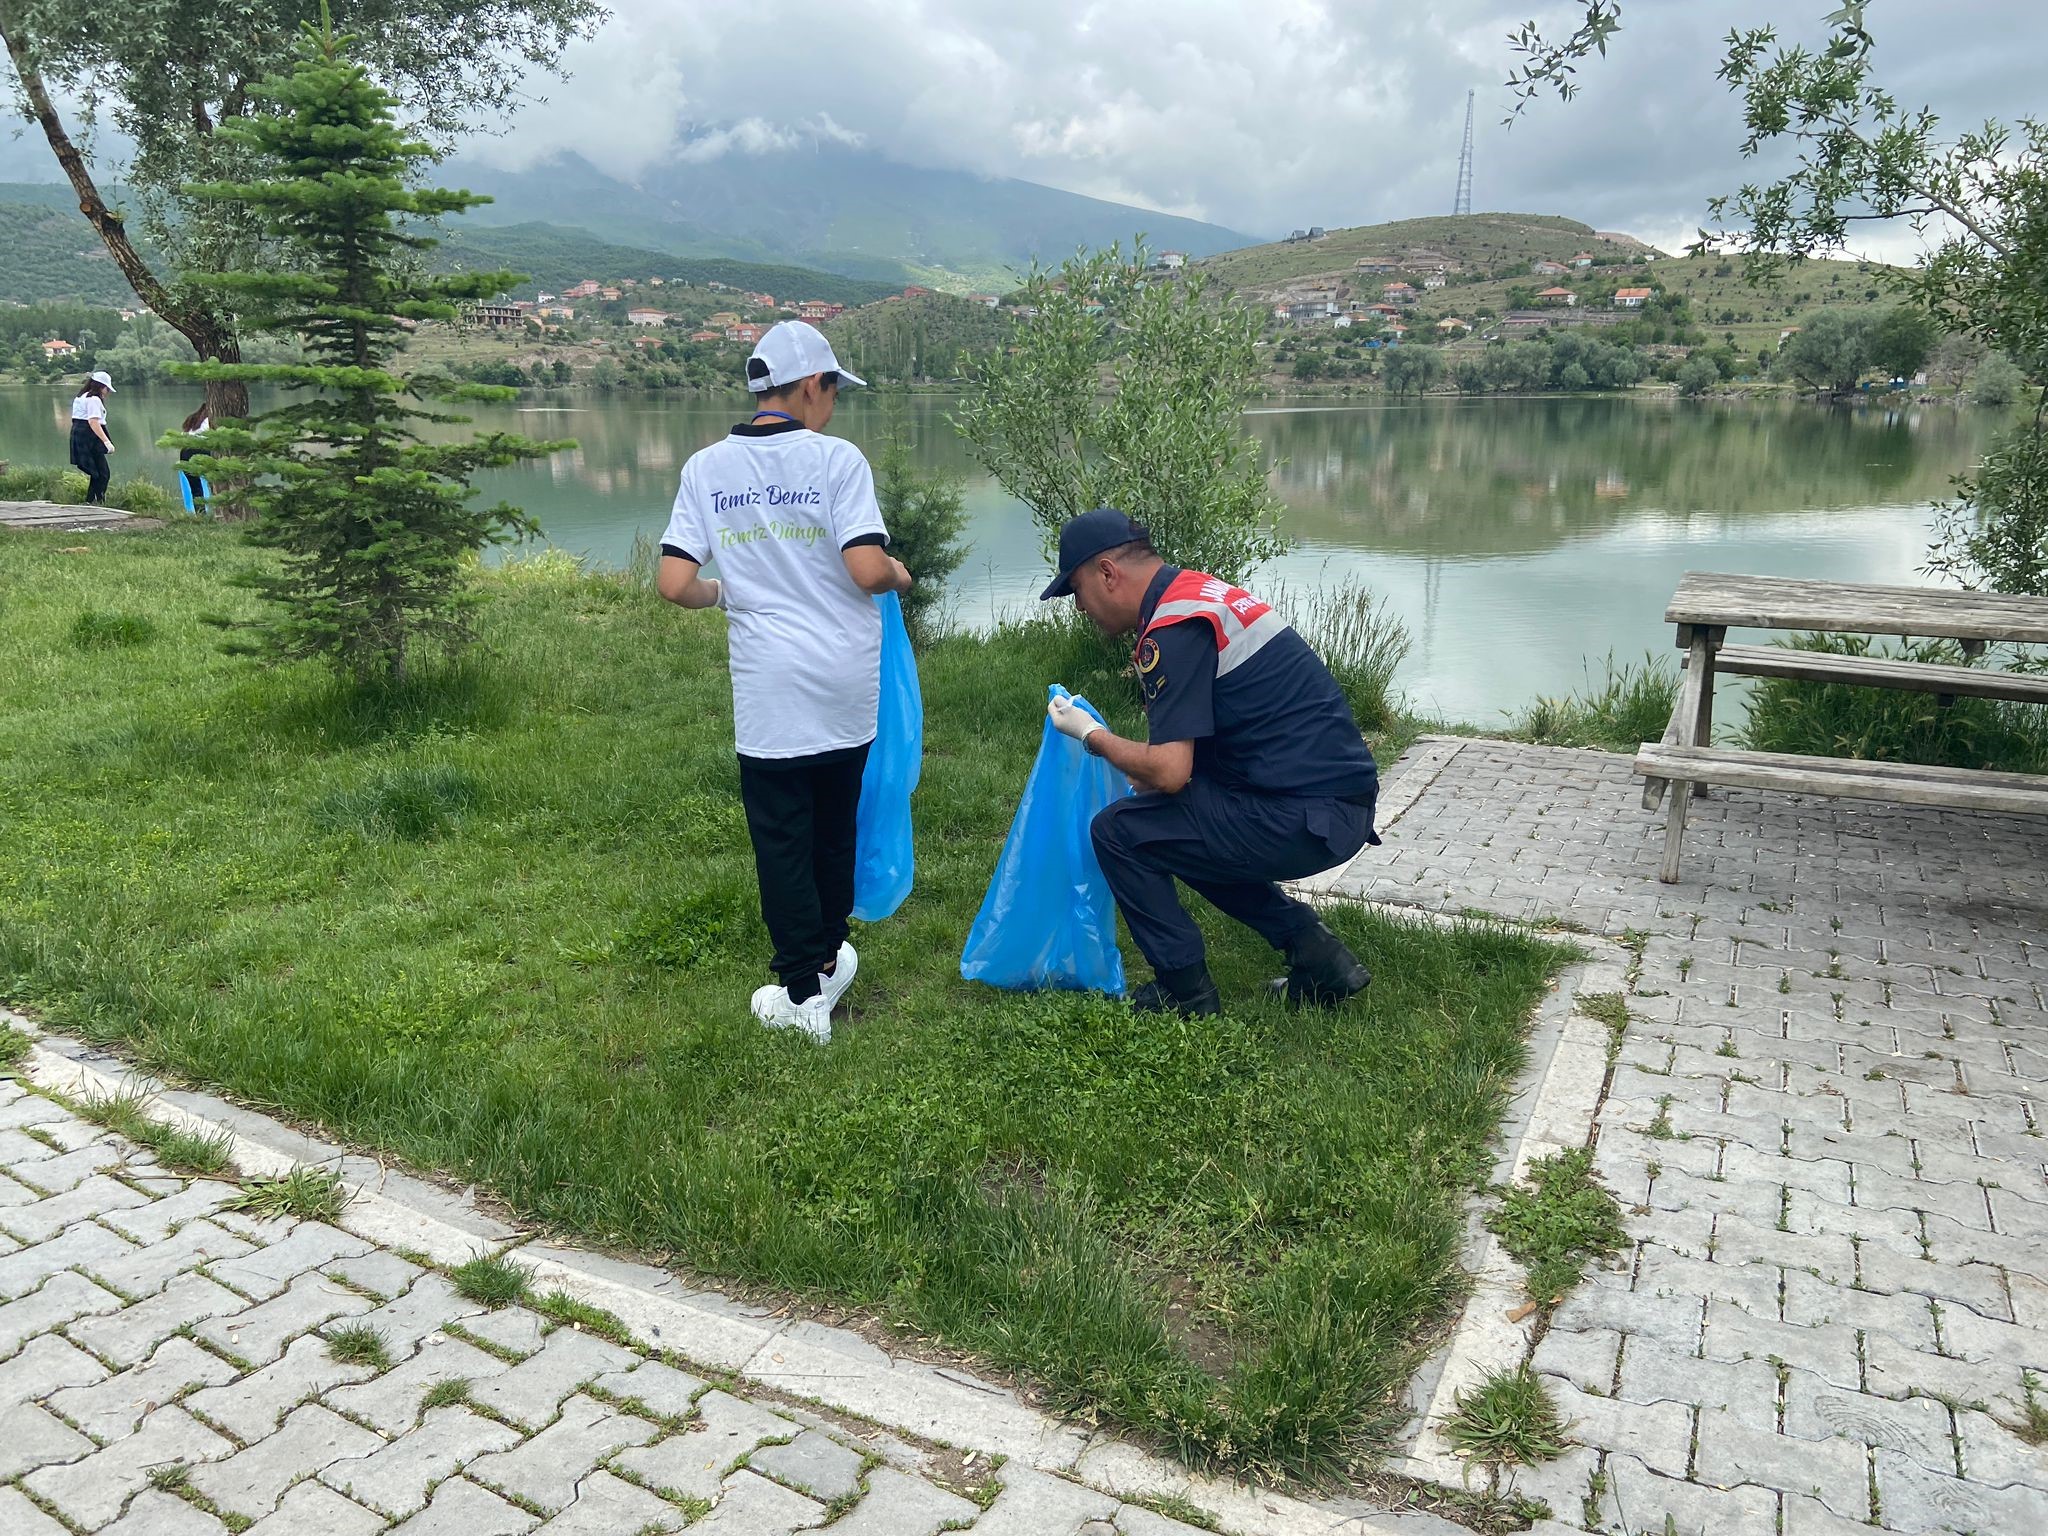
1240,622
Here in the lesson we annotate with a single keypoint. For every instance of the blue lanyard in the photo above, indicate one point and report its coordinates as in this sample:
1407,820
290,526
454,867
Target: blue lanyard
783,414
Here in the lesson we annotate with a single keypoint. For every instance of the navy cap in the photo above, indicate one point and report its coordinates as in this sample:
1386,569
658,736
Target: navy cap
1083,538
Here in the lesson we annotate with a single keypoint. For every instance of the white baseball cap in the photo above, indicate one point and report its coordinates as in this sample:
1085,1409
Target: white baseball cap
104,378
792,350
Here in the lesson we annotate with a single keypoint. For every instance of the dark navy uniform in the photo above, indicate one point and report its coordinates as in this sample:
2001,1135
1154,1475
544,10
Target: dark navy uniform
1283,784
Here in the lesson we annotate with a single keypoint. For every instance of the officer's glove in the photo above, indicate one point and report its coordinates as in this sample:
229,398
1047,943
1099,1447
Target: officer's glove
1069,720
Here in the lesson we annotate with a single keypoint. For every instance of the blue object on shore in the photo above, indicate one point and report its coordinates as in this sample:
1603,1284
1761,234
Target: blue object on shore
1049,920
885,856
185,490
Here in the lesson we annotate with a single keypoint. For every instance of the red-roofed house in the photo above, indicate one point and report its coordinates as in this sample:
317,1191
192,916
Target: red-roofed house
1583,259
1548,268
1556,297
1399,293
915,292
587,289
707,335
1631,298
57,347
820,309
990,301
647,317
750,335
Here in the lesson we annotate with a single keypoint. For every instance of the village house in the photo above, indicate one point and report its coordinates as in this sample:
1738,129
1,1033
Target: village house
820,309
915,292
557,312
1583,259
1548,268
522,305
647,341
745,334
496,315
761,300
587,289
1168,261
608,294
1451,325
985,300
1341,322
1384,311
707,335
1399,293
57,347
1377,264
647,317
723,319
1555,298
1434,281
1631,298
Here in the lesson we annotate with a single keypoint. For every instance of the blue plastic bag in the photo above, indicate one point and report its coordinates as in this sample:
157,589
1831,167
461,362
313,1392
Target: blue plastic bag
885,861
1048,919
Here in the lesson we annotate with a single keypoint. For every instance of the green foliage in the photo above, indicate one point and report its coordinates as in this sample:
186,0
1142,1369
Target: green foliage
306,1194
1168,446
1629,705
1508,1420
1696,375
1893,724
359,1344
1359,639
413,802
65,486
452,1393
1997,382
1995,534
1560,1220
1831,350
195,1152
925,515
1411,369
492,1280
374,523
561,1307
1900,340
918,339
93,630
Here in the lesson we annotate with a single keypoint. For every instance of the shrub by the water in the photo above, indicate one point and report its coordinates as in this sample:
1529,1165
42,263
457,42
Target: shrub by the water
1629,705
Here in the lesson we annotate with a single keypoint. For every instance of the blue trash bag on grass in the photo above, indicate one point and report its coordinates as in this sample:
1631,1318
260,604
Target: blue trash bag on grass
885,862
1049,920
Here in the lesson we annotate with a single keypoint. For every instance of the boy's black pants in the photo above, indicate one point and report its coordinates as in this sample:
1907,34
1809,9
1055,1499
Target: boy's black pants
801,813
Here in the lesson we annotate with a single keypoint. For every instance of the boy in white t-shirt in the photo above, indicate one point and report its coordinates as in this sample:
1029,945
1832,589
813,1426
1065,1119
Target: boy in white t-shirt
790,516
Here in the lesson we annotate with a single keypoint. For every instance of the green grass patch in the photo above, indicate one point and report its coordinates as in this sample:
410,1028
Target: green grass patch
96,631
14,1048
561,1307
502,922
444,1394
183,1151
492,1280
309,1194
1559,1222
1508,1420
1627,705
359,1344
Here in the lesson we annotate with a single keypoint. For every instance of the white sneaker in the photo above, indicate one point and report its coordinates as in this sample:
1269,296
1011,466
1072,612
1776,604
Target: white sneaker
835,982
773,1008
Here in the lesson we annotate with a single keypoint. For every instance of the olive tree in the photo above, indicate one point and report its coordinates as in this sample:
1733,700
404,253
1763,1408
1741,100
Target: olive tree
1124,388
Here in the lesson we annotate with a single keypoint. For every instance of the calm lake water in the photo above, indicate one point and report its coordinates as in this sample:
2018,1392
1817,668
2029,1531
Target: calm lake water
1519,540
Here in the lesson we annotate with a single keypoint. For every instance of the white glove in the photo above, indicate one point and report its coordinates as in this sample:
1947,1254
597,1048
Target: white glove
720,603
1071,721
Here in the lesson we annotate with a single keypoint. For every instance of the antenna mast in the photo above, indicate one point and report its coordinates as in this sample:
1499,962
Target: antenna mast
1463,202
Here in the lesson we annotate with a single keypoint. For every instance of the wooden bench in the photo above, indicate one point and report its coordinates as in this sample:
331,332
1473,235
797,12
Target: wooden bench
1707,605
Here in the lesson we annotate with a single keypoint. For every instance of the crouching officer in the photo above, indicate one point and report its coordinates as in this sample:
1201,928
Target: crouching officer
1255,771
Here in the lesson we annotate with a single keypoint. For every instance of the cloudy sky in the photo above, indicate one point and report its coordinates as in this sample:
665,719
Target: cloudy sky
1257,114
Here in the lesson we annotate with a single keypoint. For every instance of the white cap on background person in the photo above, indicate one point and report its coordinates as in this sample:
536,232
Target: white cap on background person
103,378
792,350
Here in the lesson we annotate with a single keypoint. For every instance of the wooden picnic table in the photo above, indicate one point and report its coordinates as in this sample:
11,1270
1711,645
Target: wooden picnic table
1707,605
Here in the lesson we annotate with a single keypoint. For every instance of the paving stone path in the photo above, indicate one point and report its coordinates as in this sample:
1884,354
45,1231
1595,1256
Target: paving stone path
1826,1125
169,1367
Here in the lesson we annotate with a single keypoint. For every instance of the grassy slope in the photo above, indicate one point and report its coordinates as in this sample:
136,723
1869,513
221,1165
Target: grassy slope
506,926
1484,242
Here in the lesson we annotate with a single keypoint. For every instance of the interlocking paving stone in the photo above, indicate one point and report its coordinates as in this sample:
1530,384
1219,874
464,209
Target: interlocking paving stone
91,1490
1033,1504
531,1391
251,1481
395,1478
461,1508
44,1365
152,1223
666,1391
392,1401
161,1514
260,1333
253,1406
61,1298
313,1509
753,1506
1131,1520
146,1270
406,1320
511,1328
546,1469
131,1334
610,1506
85,1246
18,1517
44,1219
381,1272
812,1463
695,1461
114,1406
32,1437
899,1505
273,1266
53,1175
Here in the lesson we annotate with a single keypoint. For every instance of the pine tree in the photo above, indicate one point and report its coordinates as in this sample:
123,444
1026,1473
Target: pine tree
375,526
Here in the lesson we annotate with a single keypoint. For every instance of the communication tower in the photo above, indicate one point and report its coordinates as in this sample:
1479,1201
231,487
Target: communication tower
1463,202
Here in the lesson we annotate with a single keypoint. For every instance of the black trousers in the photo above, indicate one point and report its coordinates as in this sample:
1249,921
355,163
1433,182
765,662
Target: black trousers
89,454
801,813
1230,846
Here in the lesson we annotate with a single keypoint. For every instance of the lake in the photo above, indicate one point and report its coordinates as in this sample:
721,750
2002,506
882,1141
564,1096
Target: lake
1518,539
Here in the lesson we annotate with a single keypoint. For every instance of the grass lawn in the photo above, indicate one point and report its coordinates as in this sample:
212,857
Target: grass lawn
504,924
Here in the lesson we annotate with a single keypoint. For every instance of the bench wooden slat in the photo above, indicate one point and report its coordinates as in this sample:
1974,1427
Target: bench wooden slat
1905,783
1881,672
1781,602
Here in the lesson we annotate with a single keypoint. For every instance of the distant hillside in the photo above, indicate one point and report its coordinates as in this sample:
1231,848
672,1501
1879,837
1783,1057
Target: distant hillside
832,207
48,251
556,258
1481,244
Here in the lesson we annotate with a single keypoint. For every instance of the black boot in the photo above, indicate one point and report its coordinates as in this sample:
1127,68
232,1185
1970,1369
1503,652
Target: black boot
1320,970
1188,992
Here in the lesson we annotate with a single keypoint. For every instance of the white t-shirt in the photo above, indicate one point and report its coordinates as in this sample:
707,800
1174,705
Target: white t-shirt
775,508
88,408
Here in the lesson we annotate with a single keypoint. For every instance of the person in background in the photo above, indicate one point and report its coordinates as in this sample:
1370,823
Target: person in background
199,421
90,444
790,515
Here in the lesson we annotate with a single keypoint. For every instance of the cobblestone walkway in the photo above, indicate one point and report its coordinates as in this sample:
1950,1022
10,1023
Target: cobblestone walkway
1825,1122
169,1367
